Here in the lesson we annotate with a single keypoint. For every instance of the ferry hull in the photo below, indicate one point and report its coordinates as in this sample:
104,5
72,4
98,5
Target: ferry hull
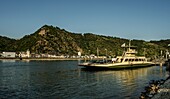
117,65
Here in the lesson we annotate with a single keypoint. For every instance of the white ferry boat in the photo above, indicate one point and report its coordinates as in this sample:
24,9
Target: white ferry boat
127,60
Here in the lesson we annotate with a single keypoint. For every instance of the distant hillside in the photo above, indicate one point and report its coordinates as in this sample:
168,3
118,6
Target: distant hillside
163,43
49,39
7,44
53,40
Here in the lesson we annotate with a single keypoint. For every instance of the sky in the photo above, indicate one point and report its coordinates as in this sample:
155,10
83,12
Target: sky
130,19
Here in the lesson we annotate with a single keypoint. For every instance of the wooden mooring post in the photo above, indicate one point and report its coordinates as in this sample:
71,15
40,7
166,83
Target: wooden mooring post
159,62
167,63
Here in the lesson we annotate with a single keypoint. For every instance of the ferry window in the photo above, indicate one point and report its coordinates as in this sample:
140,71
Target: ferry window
121,60
126,60
136,59
140,60
132,60
117,59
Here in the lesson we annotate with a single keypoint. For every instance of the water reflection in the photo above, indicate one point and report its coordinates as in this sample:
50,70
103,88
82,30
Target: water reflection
127,82
8,61
64,79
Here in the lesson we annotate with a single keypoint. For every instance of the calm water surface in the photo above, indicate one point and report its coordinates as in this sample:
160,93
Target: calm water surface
65,80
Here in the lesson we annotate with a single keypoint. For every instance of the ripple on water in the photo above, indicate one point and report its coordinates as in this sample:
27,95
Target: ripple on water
64,80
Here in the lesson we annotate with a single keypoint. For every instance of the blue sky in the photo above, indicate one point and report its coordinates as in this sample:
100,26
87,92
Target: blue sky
131,19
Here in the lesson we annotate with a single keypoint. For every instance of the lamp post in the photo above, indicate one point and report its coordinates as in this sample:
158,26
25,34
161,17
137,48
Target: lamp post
106,55
106,52
144,51
89,53
167,53
110,54
97,53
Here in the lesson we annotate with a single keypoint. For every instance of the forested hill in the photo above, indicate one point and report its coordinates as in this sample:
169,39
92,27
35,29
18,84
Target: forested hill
53,40
7,44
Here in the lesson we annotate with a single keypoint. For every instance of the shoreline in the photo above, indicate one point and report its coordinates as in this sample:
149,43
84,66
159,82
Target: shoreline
157,89
50,59
43,59
164,91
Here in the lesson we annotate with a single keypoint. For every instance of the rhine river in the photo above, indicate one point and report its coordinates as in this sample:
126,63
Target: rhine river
66,80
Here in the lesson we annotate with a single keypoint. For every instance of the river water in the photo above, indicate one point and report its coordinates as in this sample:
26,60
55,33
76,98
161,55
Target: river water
66,80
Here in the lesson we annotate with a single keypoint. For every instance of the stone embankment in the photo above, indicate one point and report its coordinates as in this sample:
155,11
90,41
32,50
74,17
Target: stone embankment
164,91
157,89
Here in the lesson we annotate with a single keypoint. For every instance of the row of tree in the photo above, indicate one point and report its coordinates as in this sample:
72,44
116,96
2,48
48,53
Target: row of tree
53,40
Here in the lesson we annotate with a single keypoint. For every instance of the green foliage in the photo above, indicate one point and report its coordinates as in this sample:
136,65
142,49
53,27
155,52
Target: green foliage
53,40
7,44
